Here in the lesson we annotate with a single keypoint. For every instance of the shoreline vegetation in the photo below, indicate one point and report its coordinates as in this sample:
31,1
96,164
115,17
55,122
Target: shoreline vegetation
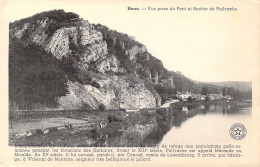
210,102
176,106
101,126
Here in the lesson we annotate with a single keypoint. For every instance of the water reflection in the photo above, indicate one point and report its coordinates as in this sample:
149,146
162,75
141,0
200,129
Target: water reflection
152,133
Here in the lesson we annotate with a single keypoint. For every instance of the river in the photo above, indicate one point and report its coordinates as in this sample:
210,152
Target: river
192,124
210,125
200,124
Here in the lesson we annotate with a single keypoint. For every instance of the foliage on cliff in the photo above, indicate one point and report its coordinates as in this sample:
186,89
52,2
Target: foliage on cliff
60,16
34,76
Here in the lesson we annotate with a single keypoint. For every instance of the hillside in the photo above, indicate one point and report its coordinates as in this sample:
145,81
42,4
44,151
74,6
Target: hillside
241,86
58,60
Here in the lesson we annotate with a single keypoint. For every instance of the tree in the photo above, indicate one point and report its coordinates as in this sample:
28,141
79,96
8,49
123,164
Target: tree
102,107
205,90
230,91
36,78
224,92
189,99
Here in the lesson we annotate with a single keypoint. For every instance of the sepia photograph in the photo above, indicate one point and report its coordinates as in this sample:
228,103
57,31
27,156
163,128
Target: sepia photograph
118,80
74,83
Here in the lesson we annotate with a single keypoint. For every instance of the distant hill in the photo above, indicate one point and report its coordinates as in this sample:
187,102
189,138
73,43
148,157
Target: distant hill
241,86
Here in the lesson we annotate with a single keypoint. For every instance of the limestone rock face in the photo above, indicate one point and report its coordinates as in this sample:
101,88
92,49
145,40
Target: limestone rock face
78,39
114,91
89,37
135,95
168,81
18,33
86,97
95,52
110,63
59,44
39,36
88,34
37,32
156,77
122,44
134,51
158,99
72,33
148,72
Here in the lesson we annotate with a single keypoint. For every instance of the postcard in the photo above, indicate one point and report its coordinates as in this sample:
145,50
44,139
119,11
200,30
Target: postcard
130,83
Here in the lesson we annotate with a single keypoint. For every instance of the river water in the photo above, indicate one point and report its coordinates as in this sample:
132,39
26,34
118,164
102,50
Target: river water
200,124
210,124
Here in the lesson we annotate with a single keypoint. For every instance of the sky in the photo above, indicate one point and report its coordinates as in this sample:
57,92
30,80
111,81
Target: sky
205,46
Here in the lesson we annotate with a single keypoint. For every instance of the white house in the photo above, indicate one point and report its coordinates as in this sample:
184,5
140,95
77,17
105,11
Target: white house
184,96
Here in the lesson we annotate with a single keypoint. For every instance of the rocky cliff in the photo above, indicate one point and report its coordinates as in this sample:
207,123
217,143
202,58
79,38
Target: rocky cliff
100,70
58,60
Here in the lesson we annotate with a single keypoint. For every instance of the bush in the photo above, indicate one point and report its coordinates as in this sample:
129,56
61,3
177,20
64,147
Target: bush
94,133
175,97
73,46
102,107
57,15
161,111
165,97
38,131
96,84
190,107
86,106
53,129
114,118
163,89
190,99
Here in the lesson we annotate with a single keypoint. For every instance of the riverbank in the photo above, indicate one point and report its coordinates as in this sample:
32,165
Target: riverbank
179,105
100,126
111,127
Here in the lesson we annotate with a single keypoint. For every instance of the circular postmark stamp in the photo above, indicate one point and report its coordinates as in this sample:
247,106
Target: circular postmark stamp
237,131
